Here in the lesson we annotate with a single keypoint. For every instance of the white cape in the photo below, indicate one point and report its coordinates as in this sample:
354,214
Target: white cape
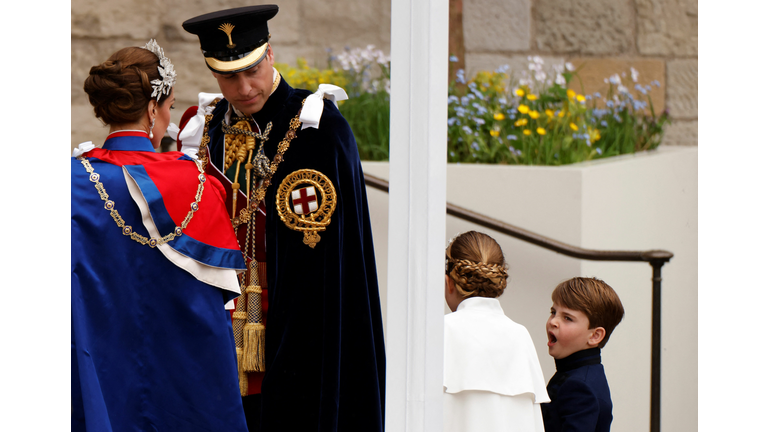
492,379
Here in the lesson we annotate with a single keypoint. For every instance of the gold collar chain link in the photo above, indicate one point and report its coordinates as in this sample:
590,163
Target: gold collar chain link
127,229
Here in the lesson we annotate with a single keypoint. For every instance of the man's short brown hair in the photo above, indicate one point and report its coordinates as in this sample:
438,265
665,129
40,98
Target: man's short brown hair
595,298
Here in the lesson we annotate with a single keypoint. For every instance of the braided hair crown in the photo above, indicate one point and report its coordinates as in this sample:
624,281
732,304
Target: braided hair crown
475,263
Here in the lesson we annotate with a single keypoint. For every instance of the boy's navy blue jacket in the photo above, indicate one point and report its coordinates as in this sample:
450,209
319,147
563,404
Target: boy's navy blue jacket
581,399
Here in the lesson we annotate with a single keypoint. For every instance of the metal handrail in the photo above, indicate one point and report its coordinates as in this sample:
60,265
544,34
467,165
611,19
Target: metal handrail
656,258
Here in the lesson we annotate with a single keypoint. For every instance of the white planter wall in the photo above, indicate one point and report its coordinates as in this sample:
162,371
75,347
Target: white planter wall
635,202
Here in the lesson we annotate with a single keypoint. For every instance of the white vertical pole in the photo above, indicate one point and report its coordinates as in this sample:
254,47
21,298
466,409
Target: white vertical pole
417,215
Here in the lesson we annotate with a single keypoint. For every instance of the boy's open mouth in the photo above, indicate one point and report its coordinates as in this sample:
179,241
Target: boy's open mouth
552,339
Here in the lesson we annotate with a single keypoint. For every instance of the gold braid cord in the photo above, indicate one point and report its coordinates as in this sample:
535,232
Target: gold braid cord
247,325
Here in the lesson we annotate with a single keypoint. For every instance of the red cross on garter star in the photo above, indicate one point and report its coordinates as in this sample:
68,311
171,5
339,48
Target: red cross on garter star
304,200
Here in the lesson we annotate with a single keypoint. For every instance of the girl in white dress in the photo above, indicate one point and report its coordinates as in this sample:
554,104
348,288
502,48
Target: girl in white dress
492,378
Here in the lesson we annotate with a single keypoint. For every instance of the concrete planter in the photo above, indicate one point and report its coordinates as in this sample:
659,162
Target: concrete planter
633,202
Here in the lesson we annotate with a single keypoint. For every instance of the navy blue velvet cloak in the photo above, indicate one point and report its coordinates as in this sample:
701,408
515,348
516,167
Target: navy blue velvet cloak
325,361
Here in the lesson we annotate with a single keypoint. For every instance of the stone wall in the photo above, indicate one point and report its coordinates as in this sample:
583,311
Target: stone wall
302,28
659,38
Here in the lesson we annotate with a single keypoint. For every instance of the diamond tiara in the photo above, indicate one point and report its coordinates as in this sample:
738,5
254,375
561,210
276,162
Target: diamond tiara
167,73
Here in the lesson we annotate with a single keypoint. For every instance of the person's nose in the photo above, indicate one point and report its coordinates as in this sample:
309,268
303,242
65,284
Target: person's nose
243,87
552,321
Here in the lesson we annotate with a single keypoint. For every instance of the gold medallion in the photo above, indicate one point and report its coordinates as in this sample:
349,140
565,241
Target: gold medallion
305,201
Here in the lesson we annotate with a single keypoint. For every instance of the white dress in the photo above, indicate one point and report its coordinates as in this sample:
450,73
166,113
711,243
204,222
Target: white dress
492,380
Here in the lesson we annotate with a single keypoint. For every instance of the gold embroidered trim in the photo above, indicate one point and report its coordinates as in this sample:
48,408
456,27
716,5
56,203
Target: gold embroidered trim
258,196
127,229
310,224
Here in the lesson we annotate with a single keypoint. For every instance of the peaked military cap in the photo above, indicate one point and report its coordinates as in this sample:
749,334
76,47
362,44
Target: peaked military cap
233,40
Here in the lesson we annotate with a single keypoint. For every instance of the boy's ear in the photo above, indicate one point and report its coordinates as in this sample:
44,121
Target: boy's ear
597,336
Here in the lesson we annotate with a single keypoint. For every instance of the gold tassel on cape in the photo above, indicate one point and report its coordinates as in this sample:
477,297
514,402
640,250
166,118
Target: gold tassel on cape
253,334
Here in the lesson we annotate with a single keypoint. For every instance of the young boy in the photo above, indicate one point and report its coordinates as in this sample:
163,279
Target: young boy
584,313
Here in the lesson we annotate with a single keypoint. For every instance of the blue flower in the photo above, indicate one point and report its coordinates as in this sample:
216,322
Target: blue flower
656,83
453,99
479,121
475,146
640,88
502,69
604,123
452,121
467,129
473,85
618,119
512,137
453,59
597,95
460,111
599,150
639,105
502,100
588,97
460,76
609,104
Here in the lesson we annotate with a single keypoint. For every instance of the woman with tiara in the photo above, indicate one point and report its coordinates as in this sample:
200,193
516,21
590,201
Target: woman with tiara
154,260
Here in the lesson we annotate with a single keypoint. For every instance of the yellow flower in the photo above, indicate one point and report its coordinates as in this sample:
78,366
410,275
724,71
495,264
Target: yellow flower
498,116
549,113
561,114
520,92
594,134
523,109
526,132
541,131
580,98
534,114
571,94
494,133
574,127
521,122
531,97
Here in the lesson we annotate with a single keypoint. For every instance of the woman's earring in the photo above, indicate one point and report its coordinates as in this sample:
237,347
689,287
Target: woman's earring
150,129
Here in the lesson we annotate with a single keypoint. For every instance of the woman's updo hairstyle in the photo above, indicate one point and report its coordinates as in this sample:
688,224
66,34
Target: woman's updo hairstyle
120,88
475,263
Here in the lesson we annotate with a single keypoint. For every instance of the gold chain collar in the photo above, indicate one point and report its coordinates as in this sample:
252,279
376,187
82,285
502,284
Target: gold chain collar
127,229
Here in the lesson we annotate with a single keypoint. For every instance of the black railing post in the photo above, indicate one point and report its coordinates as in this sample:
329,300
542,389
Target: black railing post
656,348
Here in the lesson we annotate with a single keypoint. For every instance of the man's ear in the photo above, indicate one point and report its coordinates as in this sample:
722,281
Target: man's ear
597,336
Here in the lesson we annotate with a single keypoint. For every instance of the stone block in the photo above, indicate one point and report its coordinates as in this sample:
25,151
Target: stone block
516,63
668,27
683,88
137,19
492,25
584,26
354,23
594,71
86,127
681,133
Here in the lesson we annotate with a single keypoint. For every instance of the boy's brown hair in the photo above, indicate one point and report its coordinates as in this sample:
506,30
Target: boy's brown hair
595,298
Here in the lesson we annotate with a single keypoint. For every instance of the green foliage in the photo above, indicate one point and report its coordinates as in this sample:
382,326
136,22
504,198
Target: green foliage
538,121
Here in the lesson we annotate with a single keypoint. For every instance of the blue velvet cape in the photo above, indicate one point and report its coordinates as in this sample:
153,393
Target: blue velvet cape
324,338
152,347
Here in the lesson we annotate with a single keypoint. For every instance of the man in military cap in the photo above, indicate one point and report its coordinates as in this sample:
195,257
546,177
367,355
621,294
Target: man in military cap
299,207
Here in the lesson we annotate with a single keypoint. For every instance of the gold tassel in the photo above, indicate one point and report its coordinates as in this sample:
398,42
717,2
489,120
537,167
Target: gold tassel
253,333
242,375
253,336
